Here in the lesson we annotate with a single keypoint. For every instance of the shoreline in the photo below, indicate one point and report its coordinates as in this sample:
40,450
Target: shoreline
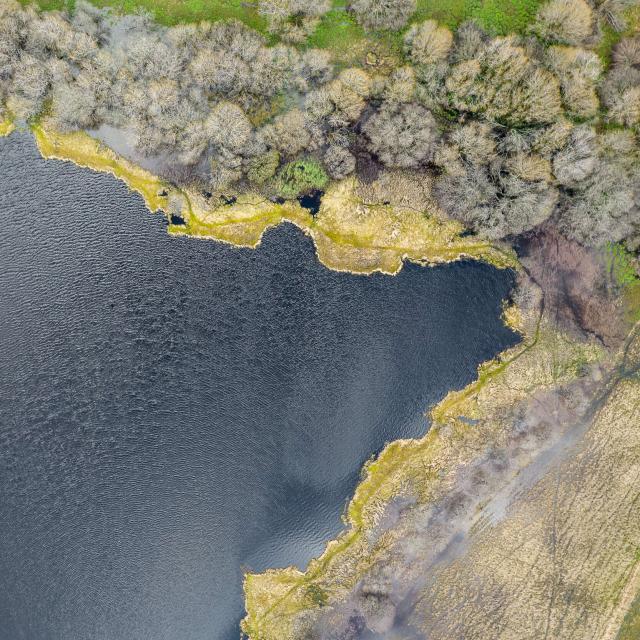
364,243
547,363
545,360
6,127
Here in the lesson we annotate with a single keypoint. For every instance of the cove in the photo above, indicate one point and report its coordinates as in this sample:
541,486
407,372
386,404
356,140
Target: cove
175,411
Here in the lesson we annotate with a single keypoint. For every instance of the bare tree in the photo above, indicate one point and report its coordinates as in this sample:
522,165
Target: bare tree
293,20
383,14
566,21
426,43
579,72
503,83
402,135
339,162
494,201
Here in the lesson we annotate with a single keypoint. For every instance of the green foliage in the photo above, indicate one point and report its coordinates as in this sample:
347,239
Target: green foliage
506,16
263,167
298,177
610,37
317,595
620,265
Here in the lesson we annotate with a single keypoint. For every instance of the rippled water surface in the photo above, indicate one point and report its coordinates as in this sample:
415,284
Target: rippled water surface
173,411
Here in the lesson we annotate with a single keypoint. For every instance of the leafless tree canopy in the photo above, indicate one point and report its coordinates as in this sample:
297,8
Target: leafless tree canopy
507,127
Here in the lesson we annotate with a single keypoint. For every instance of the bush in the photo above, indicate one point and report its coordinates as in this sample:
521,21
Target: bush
565,21
620,90
427,43
400,85
476,142
288,133
383,14
227,126
605,205
627,53
578,159
263,167
469,41
299,177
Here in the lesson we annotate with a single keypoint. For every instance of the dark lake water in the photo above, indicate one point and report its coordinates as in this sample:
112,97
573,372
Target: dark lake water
173,411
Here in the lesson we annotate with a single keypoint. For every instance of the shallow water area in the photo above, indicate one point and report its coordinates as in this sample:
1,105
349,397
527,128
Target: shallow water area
174,411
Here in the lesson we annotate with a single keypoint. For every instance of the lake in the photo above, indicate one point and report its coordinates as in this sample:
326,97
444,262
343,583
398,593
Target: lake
176,411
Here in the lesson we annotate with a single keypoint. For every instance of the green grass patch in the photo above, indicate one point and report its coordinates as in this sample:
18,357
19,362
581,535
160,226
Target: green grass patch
496,16
620,265
170,12
611,37
506,16
337,30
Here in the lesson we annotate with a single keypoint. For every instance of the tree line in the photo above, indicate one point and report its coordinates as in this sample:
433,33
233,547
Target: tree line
516,130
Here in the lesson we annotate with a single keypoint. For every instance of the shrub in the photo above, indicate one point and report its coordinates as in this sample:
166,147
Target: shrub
605,206
29,87
549,139
227,126
312,69
620,90
578,159
383,14
566,21
263,167
475,142
401,85
301,176
427,43
469,41
627,53
340,102
288,133
73,107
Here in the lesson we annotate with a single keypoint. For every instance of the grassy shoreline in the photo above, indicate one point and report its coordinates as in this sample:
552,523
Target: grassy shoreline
275,597
349,234
6,127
